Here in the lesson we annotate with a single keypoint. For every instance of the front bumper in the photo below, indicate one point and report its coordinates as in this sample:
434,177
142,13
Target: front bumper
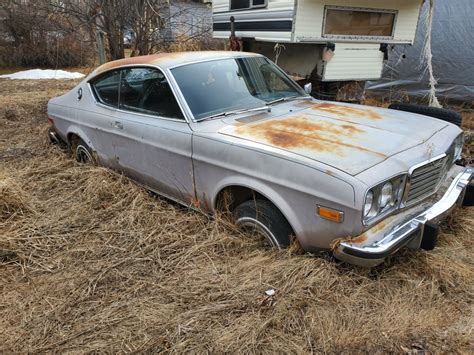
405,229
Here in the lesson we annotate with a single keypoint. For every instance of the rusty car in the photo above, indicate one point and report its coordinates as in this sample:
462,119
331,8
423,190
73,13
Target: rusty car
219,129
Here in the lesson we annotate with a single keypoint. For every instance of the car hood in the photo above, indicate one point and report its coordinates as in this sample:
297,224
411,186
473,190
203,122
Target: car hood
351,138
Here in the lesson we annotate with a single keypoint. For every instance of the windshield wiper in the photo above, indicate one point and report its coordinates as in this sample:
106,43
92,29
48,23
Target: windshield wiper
236,112
287,98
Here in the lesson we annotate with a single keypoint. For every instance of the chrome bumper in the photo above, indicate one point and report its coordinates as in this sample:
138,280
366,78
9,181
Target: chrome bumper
53,136
407,229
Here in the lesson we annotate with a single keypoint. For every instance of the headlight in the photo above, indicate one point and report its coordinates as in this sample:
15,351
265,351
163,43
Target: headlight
383,198
386,195
369,201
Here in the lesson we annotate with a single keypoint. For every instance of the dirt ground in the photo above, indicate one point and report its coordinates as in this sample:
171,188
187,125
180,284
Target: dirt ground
90,262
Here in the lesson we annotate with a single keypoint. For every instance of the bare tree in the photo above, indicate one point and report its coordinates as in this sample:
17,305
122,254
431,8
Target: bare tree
155,24
107,16
150,21
34,34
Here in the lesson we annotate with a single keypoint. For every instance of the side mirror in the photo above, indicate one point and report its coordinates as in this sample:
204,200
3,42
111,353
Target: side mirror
308,88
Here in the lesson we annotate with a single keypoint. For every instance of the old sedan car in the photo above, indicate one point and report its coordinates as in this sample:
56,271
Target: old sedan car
214,129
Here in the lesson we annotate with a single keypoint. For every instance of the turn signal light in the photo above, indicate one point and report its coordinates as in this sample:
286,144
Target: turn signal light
330,214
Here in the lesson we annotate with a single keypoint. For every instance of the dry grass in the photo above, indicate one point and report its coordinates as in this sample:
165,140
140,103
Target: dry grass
92,262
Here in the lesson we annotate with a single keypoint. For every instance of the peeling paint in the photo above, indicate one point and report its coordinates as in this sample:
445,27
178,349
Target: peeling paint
346,111
371,232
302,132
173,58
359,239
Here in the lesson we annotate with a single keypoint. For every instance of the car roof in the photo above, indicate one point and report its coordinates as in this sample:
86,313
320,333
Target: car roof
167,60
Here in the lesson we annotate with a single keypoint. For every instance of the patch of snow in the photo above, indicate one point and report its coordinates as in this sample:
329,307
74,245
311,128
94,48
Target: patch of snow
35,74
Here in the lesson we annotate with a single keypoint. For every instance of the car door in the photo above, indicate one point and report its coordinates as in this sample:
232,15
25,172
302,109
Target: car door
153,137
100,118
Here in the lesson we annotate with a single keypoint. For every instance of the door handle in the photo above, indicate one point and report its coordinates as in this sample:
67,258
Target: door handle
118,125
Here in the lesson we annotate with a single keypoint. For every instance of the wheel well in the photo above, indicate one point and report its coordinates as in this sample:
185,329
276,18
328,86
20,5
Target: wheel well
232,196
72,137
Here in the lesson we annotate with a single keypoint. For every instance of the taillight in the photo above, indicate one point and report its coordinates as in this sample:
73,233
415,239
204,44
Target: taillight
50,121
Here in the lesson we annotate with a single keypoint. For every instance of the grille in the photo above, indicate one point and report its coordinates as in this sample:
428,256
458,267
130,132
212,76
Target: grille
425,179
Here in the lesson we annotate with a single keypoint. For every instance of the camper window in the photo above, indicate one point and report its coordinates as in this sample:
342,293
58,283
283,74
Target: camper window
357,22
247,4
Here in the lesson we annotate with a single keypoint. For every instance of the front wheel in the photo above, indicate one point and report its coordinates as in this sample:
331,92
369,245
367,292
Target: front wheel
262,218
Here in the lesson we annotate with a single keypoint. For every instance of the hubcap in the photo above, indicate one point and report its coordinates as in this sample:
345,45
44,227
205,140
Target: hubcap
256,227
83,155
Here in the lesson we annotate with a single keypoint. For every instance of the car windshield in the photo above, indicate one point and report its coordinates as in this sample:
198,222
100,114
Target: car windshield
231,85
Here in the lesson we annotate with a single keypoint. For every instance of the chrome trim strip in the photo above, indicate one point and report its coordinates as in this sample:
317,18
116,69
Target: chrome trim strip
396,207
401,235
416,166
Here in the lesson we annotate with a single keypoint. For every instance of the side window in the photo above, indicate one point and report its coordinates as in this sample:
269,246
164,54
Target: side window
247,4
106,88
146,90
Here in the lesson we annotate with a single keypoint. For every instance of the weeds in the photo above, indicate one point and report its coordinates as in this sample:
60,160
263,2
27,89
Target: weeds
94,263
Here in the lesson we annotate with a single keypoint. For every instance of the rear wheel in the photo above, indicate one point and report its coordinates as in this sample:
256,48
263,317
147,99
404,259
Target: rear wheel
81,151
440,113
263,219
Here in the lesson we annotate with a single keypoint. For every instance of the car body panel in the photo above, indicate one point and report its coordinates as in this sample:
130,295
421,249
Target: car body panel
155,152
291,186
348,144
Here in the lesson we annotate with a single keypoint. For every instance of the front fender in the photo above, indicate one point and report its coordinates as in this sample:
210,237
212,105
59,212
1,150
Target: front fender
295,189
263,189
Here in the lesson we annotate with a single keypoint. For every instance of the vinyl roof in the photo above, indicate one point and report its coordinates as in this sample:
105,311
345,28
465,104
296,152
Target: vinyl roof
166,60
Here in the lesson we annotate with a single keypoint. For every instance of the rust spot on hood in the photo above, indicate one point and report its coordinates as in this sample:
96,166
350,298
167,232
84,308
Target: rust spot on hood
346,111
301,132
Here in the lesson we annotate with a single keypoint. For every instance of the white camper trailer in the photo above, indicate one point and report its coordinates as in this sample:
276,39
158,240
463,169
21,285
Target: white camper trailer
335,44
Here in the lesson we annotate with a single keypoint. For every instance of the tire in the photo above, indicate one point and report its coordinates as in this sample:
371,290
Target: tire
81,151
469,197
440,113
263,218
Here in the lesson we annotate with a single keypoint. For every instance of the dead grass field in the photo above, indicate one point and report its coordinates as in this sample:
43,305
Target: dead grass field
90,262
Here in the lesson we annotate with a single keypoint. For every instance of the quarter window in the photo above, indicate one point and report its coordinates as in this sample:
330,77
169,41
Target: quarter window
106,88
247,4
354,22
146,90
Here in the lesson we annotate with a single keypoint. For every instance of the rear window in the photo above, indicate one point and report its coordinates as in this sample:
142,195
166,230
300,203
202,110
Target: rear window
106,88
146,90
359,22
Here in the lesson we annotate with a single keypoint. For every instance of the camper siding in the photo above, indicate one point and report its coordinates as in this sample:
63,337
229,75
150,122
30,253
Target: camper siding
310,18
272,23
361,62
